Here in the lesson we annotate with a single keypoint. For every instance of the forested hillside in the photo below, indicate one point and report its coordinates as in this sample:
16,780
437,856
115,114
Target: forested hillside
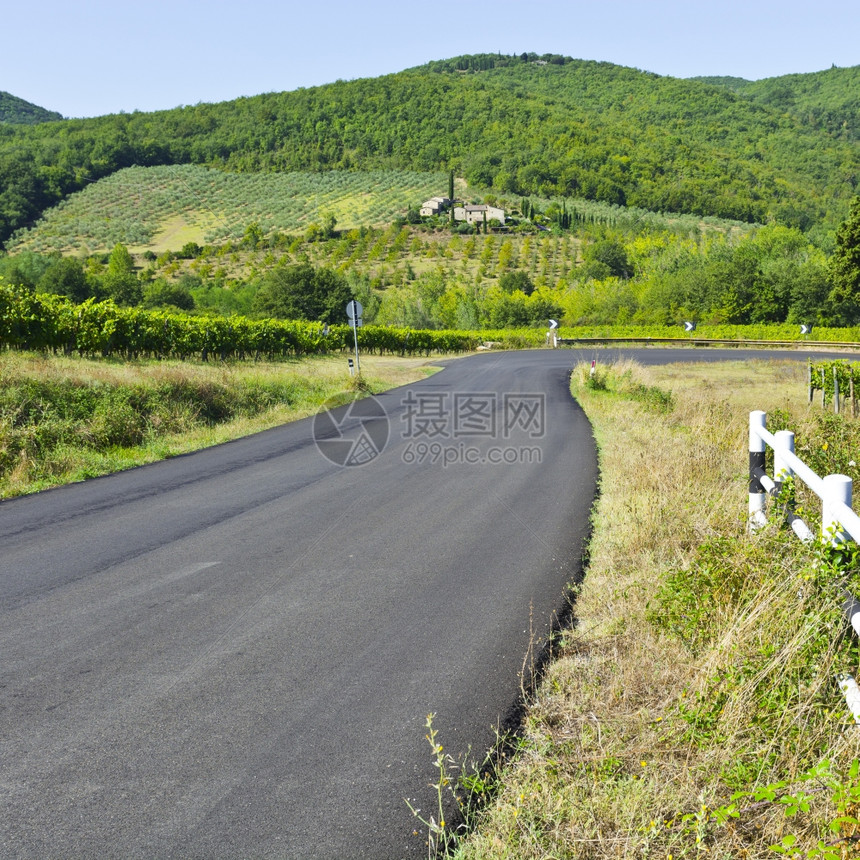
828,100
20,112
524,125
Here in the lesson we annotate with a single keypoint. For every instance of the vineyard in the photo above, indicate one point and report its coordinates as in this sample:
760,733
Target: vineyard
44,322
830,377
135,206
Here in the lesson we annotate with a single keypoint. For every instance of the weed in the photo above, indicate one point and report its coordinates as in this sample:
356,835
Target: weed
460,787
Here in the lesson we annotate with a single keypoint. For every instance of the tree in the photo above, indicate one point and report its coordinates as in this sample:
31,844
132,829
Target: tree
328,224
160,294
26,269
845,267
120,280
612,253
66,277
253,236
516,280
190,251
302,292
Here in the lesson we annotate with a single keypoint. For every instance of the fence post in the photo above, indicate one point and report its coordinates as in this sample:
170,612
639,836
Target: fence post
758,419
835,390
851,692
809,379
781,470
837,488
851,393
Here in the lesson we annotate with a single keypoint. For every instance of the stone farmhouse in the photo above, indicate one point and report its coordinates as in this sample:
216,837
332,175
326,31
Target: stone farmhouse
475,214
470,213
434,206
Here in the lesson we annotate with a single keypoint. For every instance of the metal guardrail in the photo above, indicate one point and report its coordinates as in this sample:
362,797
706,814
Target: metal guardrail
698,341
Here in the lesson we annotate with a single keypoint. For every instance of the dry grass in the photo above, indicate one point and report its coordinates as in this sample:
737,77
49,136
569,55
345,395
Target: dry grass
45,441
608,767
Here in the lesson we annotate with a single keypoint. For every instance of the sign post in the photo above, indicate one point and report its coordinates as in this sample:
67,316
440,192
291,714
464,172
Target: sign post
551,335
354,310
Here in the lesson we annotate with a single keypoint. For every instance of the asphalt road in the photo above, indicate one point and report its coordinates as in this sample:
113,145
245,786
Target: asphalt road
232,653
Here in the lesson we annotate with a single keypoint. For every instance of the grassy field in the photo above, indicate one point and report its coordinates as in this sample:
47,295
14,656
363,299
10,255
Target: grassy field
66,419
683,713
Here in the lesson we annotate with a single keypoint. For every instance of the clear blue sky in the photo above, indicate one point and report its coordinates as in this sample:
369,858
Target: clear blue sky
95,57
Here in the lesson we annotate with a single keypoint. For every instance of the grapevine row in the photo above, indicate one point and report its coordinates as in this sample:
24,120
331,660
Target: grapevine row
46,322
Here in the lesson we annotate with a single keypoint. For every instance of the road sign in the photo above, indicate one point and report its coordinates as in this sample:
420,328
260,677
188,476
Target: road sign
689,326
553,324
806,329
354,310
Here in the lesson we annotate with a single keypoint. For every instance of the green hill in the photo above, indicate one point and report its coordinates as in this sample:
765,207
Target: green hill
16,111
524,125
828,100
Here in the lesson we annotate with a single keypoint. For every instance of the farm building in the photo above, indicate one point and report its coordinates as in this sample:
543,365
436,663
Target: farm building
434,206
475,214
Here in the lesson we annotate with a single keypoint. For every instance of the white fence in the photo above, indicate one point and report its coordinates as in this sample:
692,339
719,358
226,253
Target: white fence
838,520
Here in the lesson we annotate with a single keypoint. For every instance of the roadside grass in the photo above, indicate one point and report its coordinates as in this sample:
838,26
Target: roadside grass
68,419
691,710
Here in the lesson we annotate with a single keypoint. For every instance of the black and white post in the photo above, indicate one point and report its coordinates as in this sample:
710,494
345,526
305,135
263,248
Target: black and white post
354,310
758,496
